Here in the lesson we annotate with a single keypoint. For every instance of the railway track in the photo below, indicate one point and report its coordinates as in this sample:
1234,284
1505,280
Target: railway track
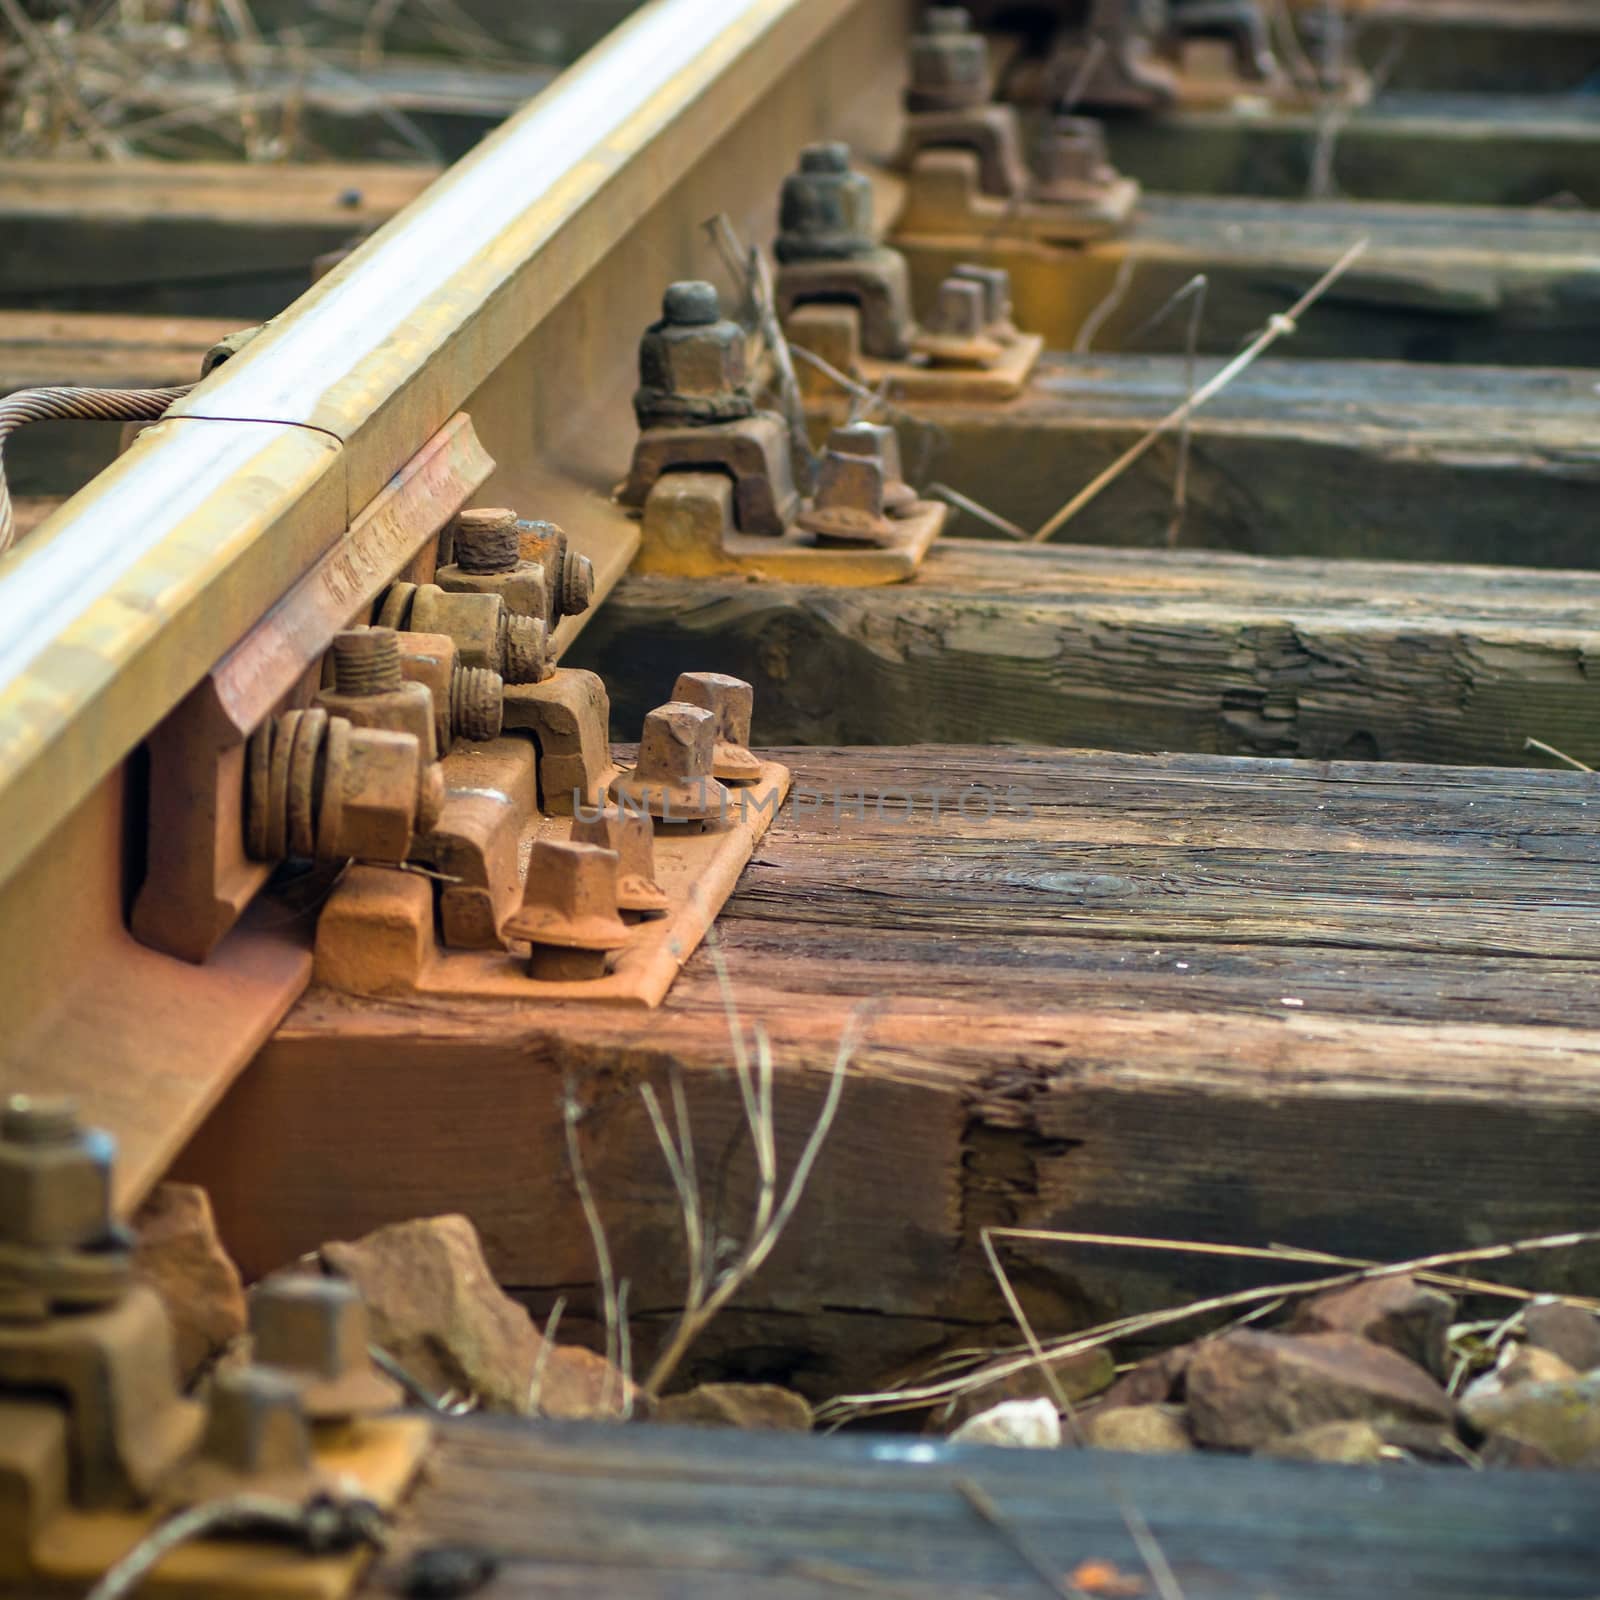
1195,858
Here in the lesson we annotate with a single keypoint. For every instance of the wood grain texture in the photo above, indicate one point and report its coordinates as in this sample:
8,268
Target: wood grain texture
1438,283
1123,649
647,1512
1346,1006
1369,459
1430,149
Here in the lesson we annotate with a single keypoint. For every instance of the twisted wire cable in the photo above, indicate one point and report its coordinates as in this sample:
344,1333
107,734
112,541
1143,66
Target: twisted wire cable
49,405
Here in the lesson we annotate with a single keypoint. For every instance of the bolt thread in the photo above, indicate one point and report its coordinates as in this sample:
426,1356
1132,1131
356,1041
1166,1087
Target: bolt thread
366,661
38,1119
523,657
487,541
477,706
577,584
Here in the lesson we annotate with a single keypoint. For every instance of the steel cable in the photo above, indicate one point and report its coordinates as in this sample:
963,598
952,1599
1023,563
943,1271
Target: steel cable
96,405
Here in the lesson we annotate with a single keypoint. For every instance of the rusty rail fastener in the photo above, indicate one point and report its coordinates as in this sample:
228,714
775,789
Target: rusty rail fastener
570,912
673,779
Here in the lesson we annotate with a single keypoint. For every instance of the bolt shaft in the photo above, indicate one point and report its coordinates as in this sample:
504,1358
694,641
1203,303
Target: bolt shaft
39,1119
477,707
487,541
366,661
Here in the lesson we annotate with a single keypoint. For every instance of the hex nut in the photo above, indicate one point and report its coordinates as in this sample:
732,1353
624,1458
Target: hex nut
370,691
55,1177
378,794
949,63
692,369
317,1329
825,210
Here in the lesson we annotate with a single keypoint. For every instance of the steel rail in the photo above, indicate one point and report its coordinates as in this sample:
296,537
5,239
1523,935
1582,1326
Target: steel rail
113,608
514,289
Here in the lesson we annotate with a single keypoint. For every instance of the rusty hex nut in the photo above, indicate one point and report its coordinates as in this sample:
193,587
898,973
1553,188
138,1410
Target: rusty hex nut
996,285
317,1329
879,441
692,368
633,838
673,779
257,1439
55,1177
569,898
825,208
949,63
371,690
731,701
378,794
1072,152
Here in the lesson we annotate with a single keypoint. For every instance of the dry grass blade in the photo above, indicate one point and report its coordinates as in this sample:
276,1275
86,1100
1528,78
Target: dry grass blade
1280,325
966,503
43,52
705,1295
1102,313
1559,755
1006,1364
542,1360
981,1502
1150,1552
571,1113
750,268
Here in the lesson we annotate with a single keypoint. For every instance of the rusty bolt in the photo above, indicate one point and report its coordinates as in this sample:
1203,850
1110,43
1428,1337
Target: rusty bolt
524,649
477,703
377,792
486,633
879,441
633,838
317,1329
568,576
692,363
489,560
731,701
256,1437
577,584
673,779
569,913
467,701
319,787
825,209
960,311
1071,155
55,1177
849,502
996,285
949,63
370,691
486,540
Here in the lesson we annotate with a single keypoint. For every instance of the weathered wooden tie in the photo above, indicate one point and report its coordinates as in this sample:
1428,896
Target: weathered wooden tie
643,1513
1123,649
1437,283
183,239
1346,1006
1376,460
1442,149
